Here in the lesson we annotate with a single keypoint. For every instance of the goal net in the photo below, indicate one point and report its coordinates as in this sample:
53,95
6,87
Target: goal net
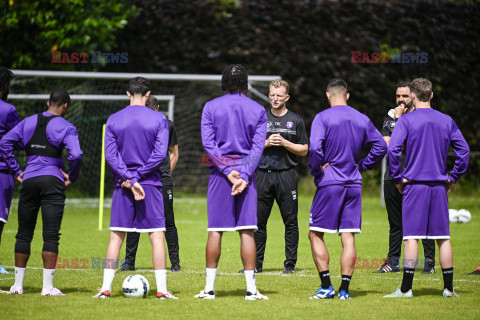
96,95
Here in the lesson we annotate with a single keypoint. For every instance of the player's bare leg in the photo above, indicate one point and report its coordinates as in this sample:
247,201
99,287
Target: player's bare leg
410,255
158,250
445,253
111,263
159,258
113,249
321,259
446,262
213,251
248,252
347,263
319,250
21,260
214,248
347,260
248,249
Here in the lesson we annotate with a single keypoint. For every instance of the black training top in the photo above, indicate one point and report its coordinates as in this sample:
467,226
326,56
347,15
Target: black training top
39,145
387,129
291,127
165,165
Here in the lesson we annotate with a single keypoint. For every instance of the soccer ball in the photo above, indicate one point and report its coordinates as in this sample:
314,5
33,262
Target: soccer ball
464,216
453,215
135,286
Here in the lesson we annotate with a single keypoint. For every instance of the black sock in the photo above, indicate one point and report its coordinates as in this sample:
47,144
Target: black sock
448,278
325,278
407,279
345,282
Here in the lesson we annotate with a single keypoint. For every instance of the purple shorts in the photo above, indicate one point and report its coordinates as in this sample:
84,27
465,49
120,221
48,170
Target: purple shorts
227,212
425,211
7,183
337,208
129,215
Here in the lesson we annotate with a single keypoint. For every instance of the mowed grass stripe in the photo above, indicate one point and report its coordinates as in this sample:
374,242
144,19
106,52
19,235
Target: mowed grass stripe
288,293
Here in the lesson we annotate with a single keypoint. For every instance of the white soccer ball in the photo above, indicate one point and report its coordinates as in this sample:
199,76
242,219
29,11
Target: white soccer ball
135,286
453,215
464,216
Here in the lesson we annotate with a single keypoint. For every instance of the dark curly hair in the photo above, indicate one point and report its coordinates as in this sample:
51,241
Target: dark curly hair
59,96
235,79
403,84
139,85
5,78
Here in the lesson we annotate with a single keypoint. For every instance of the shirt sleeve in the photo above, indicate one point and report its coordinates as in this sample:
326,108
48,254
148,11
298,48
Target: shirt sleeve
378,148
7,144
172,134
72,144
302,137
462,151
113,157
258,143
12,119
317,154
158,154
395,146
210,144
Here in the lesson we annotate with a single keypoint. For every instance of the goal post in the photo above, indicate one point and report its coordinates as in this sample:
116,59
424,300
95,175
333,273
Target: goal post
97,95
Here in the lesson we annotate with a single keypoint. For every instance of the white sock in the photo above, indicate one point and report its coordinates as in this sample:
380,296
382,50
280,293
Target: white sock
108,275
161,278
210,283
250,278
48,275
19,275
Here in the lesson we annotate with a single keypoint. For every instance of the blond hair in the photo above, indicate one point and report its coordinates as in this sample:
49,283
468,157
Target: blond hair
280,83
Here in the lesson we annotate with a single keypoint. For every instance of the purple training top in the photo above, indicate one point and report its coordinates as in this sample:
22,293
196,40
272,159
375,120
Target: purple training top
8,120
59,132
337,137
234,129
427,135
136,142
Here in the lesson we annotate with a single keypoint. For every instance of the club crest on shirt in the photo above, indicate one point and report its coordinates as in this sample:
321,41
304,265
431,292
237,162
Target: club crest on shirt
289,124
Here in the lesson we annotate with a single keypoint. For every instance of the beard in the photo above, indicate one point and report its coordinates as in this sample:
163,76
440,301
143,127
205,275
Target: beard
406,105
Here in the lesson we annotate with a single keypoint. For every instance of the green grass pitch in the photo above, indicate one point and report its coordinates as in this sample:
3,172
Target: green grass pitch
288,294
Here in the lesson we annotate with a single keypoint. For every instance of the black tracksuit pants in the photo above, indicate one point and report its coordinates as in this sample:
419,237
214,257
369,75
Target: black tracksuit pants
171,235
393,202
281,186
48,193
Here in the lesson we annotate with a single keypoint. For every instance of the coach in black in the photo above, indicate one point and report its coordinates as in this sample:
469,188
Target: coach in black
393,198
276,177
171,235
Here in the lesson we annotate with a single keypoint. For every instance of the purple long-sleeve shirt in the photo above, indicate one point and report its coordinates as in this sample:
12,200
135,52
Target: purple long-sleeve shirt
136,142
427,135
8,120
234,129
337,137
60,133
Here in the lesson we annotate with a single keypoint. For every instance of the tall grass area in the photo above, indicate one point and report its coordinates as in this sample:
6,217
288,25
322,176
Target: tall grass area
289,294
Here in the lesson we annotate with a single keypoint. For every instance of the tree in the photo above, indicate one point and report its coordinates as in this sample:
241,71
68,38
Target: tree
31,30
